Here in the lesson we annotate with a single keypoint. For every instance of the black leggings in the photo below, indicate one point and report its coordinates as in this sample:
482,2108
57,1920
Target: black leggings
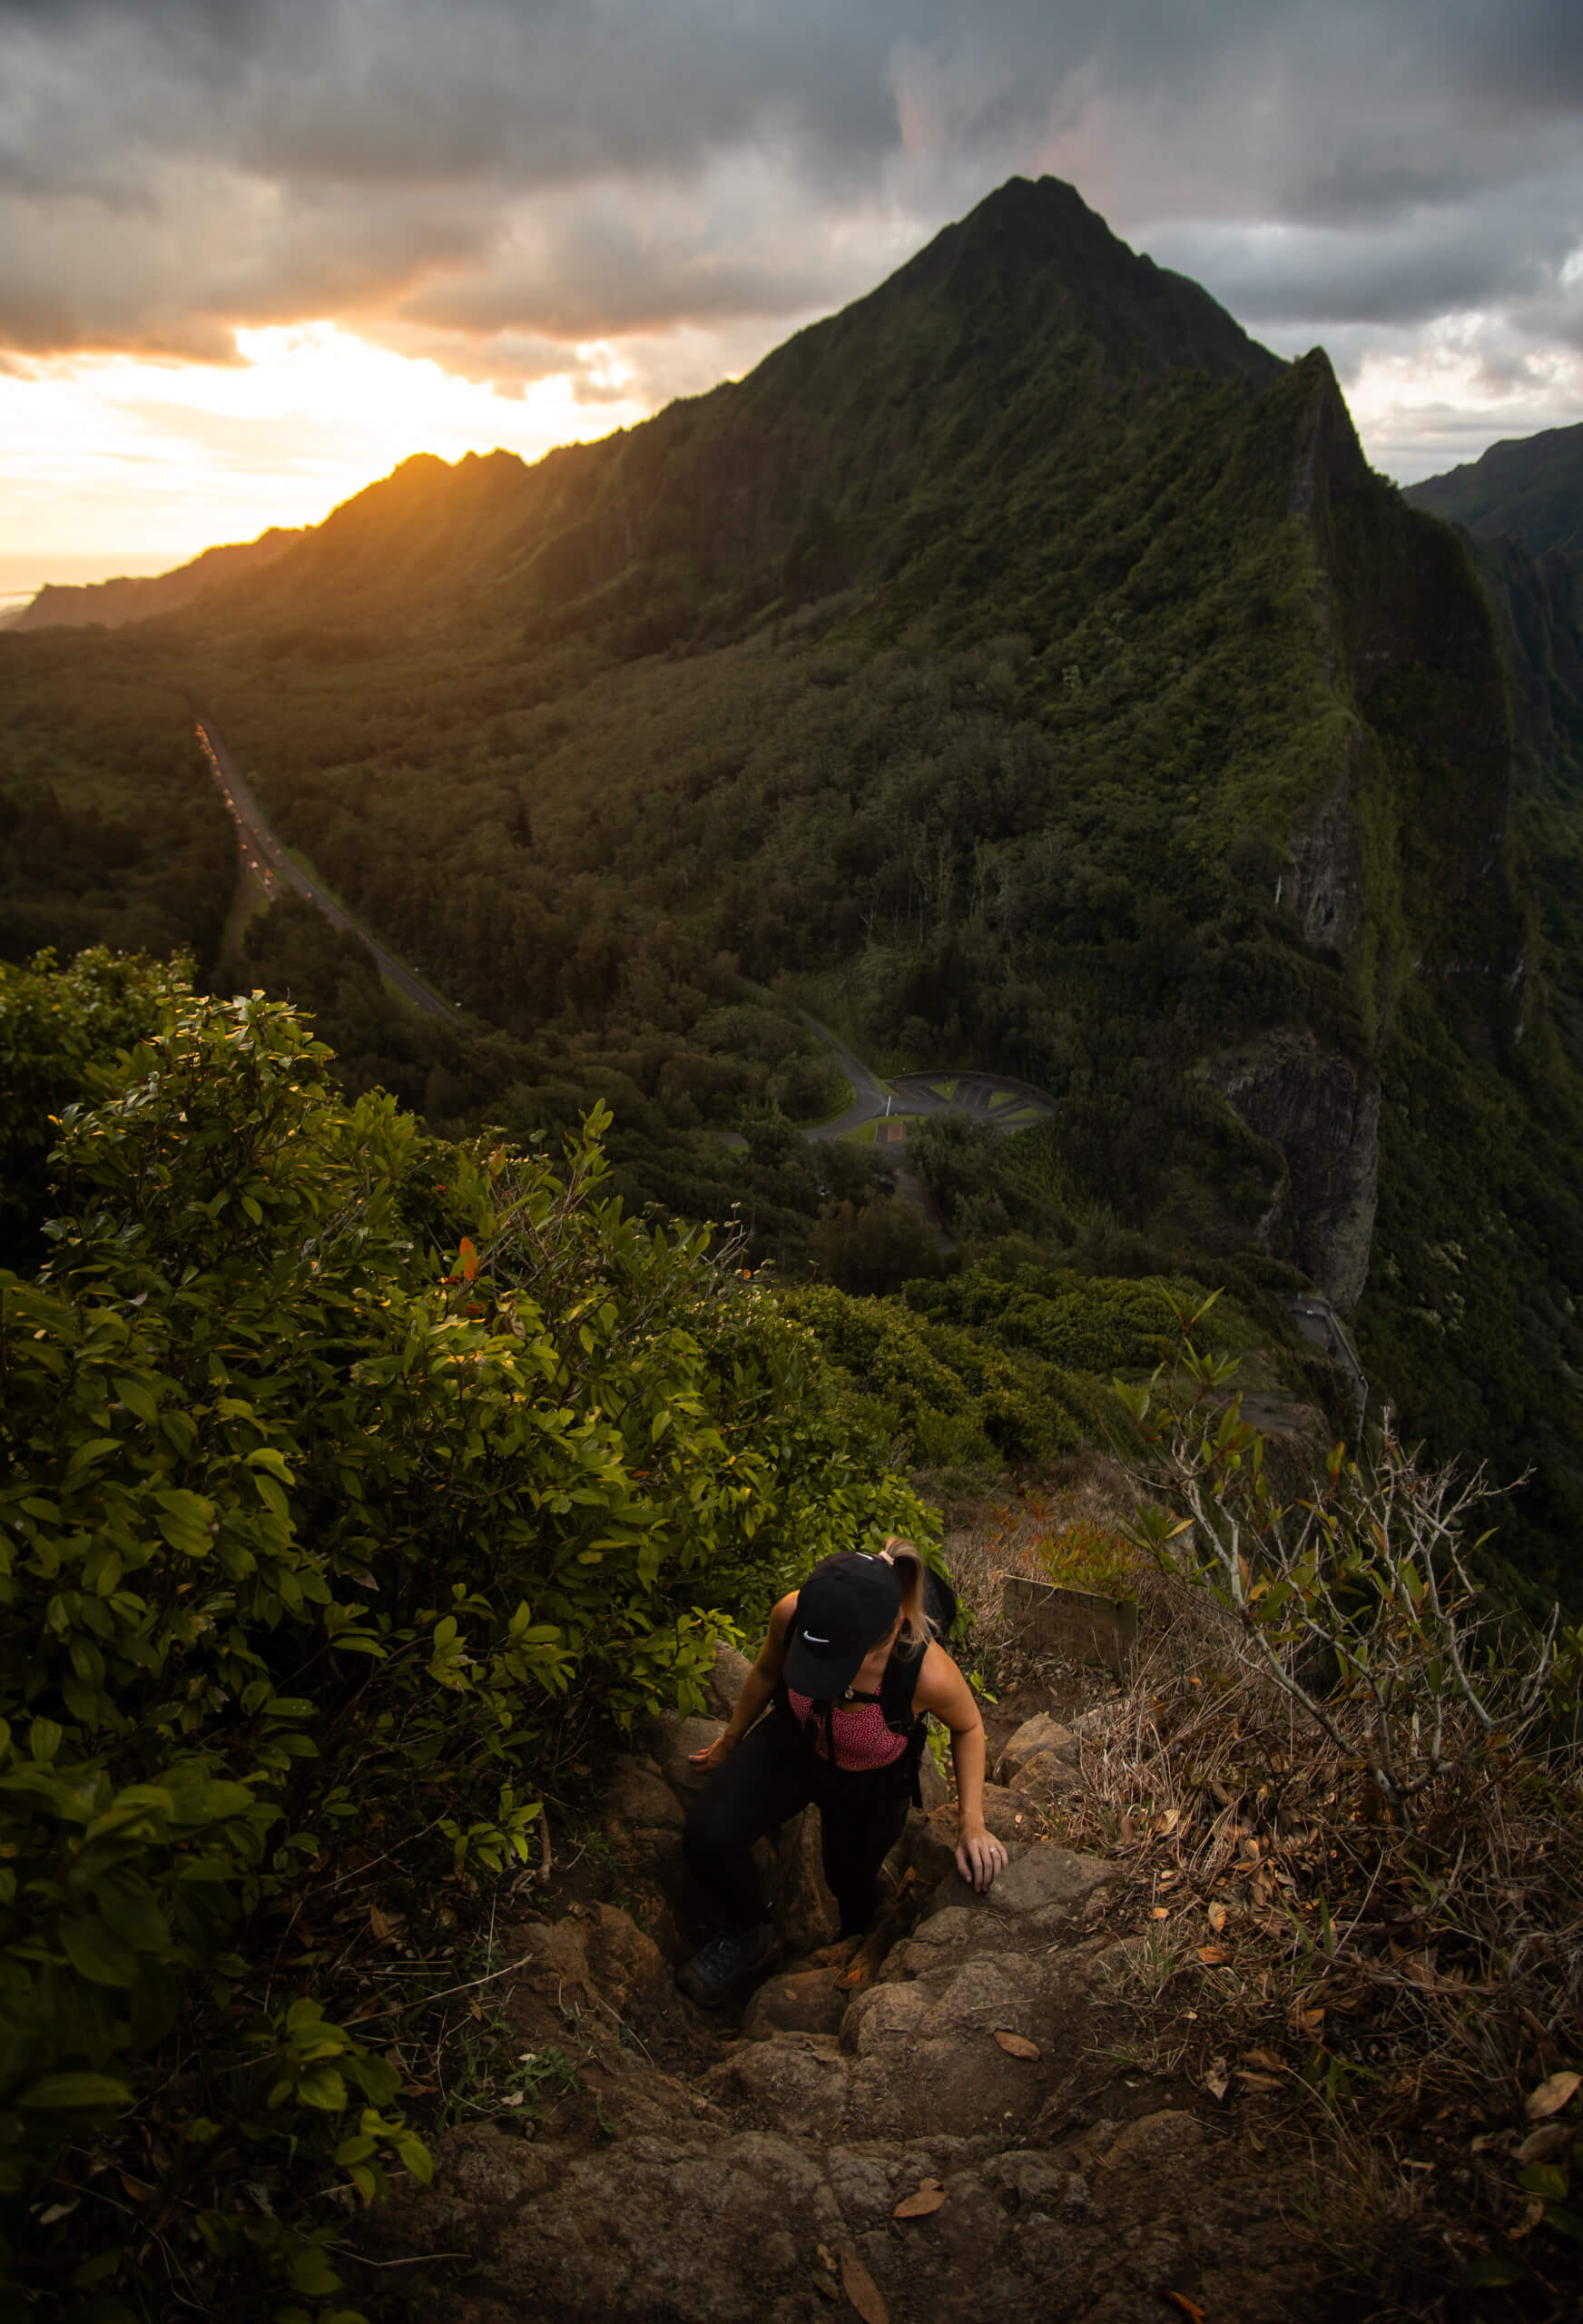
771,1774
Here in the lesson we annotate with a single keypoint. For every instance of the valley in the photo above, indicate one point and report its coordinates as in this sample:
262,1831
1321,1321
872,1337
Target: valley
1024,671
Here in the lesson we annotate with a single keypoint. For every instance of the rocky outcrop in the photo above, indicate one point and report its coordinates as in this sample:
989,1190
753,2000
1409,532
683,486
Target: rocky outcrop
1400,866
768,2183
1321,1111
701,2175
1326,890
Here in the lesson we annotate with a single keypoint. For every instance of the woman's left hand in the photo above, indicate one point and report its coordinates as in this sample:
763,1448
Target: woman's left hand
980,1855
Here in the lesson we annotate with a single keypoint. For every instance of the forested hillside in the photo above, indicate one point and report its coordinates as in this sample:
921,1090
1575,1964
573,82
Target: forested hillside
1529,489
1021,669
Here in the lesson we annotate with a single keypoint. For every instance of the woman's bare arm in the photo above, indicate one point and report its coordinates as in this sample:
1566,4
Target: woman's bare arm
942,1690
757,1687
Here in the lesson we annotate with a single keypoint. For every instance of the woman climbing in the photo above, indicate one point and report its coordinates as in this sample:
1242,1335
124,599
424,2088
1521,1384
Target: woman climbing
850,1667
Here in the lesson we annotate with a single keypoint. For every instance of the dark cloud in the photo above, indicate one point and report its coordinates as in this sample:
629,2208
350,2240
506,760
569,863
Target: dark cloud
1426,262
498,177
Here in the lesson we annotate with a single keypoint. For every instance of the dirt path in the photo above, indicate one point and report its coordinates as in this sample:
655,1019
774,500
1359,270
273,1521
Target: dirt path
977,2068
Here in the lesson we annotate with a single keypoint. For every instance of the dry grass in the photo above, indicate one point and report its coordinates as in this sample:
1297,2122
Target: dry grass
1406,1991
986,1544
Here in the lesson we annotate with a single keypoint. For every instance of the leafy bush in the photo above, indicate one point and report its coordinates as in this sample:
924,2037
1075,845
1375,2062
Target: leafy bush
874,1246
339,1459
1095,1324
946,1397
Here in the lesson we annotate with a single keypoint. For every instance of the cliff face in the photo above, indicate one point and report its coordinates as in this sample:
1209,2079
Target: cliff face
1403,867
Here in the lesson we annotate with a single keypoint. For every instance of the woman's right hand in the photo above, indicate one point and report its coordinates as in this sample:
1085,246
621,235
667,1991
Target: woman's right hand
714,1755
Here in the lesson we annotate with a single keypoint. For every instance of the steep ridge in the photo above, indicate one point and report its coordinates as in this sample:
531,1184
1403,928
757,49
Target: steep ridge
1028,424
1006,324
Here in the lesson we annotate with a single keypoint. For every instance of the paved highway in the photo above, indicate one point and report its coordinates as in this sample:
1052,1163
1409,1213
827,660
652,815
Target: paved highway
869,1095
264,855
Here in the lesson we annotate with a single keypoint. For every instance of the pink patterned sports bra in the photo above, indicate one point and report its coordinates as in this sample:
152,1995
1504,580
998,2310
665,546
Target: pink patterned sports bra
862,1739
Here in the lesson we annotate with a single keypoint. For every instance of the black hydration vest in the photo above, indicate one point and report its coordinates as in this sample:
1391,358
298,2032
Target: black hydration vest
898,1684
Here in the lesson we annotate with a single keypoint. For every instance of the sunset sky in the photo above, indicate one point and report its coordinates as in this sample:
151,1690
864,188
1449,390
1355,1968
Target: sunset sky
253,253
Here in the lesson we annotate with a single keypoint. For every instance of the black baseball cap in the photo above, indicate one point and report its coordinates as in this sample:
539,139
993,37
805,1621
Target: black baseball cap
846,1606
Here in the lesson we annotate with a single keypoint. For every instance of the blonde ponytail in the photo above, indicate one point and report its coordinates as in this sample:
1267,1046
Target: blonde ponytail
918,1625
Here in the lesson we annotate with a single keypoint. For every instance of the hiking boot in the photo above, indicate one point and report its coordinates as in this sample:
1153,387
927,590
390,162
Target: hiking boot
727,1958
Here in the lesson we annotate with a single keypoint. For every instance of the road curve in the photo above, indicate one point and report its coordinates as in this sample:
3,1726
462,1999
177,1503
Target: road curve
869,1095
265,854
911,1095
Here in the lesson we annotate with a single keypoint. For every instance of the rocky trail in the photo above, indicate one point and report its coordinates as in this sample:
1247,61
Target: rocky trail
957,2124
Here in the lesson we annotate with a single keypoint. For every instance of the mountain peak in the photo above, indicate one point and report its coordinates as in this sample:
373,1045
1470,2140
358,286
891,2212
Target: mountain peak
1035,241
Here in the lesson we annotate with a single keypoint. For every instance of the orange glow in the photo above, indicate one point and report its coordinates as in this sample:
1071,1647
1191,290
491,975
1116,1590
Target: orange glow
163,460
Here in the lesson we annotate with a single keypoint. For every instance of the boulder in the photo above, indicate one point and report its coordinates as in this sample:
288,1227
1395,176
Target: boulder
674,1740
625,1968
1042,1733
883,2014
1042,1879
991,1991
865,2182
804,2001
932,1786
726,1679
1037,2179
1013,1818
1152,2138
640,1799
1043,1775
609,2246
904,2088
805,1913
795,2083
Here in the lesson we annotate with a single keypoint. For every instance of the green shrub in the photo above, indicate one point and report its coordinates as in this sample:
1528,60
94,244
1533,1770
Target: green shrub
338,1459
946,1397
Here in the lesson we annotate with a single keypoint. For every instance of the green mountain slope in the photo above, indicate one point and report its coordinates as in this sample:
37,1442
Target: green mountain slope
1528,487
1020,669
112,602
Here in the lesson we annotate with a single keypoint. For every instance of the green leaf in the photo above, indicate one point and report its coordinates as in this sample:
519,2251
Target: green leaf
1496,2267
137,1396
68,2092
97,1955
184,1519
323,2088
267,1456
92,1449
416,2157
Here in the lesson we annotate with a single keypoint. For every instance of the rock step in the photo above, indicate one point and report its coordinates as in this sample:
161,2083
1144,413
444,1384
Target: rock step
700,2176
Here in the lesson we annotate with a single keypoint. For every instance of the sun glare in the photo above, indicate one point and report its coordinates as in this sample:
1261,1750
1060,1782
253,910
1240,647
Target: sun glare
163,460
